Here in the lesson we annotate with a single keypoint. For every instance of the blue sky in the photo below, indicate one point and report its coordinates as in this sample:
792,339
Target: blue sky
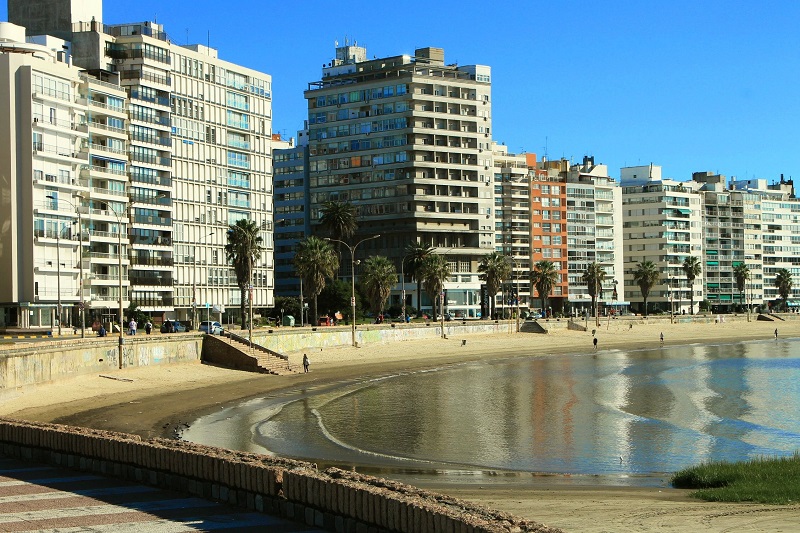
688,85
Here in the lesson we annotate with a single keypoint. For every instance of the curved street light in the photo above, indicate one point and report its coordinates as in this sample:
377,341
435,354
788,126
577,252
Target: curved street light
353,279
80,266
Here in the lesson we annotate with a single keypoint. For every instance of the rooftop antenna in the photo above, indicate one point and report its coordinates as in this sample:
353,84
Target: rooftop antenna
208,39
187,36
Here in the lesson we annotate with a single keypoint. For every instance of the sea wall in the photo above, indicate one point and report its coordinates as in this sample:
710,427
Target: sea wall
34,363
333,499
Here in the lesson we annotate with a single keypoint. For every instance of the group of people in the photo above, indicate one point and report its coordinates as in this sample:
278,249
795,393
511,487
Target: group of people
133,326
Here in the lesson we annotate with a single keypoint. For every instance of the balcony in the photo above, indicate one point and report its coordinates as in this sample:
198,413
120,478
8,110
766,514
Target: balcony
152,261
153,220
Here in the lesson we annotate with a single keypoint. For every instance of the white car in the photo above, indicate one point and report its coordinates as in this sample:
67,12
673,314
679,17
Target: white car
214,328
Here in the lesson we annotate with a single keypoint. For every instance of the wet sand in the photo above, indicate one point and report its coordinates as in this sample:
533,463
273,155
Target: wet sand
157,399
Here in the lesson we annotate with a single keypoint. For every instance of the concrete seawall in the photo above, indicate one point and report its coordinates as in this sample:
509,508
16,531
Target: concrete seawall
44,362
333,499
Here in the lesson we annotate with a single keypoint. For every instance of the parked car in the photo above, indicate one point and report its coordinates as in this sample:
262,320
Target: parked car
171,326
214,328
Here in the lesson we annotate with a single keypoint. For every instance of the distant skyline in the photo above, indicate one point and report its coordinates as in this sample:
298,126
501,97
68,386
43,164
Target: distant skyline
690,86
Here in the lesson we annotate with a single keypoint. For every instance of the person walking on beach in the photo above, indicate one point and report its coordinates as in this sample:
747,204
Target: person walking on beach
662,338
594,341
306,362
776,333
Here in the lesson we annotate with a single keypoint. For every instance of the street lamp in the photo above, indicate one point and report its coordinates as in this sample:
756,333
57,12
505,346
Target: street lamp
671,302
353,280
194,283
119,266
403,288
80,266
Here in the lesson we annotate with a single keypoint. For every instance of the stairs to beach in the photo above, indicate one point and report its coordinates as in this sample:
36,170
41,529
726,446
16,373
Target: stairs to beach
233,351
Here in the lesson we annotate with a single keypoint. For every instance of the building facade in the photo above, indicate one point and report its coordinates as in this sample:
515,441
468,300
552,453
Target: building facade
408,141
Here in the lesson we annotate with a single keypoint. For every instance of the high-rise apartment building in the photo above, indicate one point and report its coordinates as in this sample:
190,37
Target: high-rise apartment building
64,195
196,150
407,139
663,223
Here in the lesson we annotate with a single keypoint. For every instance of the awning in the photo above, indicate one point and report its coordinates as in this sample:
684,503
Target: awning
685,211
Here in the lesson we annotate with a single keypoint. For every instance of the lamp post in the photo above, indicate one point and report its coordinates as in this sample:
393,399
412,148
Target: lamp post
403,288
119,266
353,280
80,267
194,282
671,302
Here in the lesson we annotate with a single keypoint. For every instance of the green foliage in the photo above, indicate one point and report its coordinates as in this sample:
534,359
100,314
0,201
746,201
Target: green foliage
544,277
593,278
434,272
289,305
140,316
336,297
783,282
339,219
377,279
315,261
762,480
412,263
691,267
646,276
242,251
494,268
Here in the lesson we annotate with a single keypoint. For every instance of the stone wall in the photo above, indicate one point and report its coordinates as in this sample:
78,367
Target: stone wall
44,362
335,500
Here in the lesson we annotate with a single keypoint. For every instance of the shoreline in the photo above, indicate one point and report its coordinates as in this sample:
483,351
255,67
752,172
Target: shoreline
159,399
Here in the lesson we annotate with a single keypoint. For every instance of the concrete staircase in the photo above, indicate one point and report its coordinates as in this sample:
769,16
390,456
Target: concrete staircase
233,351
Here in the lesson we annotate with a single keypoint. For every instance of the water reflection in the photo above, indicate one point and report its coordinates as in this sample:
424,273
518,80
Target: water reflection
610,413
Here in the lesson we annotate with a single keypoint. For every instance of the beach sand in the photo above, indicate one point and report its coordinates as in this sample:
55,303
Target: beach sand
150,401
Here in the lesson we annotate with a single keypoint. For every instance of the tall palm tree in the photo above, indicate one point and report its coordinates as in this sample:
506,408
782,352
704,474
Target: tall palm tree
494,268
544,277
377,279
243,250
339,219
646,276
691,267
741,274
783,282
316,261
414,258
434,272
594,277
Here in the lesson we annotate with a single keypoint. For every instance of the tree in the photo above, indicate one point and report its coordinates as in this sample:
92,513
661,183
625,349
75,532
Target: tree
285,305
741,274
691,267
544,277
339,219
335,297
646,276
243,250
434,272
594,277
783,282
415,256
377,279
316,261
494,268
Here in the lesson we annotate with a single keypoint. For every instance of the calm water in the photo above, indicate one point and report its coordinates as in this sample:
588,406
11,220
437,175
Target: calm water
611,414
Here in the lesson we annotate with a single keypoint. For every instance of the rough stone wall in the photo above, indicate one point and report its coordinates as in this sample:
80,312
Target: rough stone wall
218,352
335,500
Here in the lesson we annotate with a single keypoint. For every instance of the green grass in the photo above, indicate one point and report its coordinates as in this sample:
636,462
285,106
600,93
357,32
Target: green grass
762,480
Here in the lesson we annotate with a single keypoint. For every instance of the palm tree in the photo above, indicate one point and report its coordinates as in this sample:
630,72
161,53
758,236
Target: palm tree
646,276
434,272
243,250
377,279
494,268
544,277
339,219
691,267
783,282
316,261
414,258
594,277
741,273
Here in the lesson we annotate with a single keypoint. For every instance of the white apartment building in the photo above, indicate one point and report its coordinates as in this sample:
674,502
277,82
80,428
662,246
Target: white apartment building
594,228
512,213
64,192
662,223
407,139
199,151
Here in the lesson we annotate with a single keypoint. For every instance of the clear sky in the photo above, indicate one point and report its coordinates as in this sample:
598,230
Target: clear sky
689,85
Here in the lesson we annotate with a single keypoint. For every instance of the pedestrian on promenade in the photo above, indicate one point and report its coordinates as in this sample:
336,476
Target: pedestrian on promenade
306,362
148,327
132,327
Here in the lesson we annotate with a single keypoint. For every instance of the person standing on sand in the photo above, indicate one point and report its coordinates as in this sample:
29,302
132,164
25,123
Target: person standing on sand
776,333
306,362
594,341
662,338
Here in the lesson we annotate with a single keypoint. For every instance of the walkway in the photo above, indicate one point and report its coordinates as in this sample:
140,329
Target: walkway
37,497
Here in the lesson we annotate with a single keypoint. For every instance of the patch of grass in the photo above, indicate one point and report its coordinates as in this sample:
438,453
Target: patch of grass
763,480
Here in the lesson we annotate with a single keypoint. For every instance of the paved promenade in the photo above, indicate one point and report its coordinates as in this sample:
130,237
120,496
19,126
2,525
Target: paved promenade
37,497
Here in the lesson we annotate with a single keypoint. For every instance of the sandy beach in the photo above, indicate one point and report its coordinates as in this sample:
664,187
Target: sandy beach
150,401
